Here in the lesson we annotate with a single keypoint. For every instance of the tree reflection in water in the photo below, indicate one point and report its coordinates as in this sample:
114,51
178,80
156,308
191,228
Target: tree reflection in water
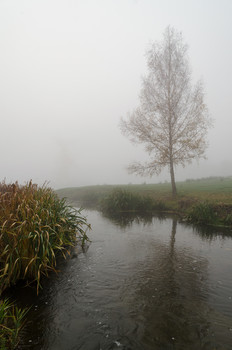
170,295
125,220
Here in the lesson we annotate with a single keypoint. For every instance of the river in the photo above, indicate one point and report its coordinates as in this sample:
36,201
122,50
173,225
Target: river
140,284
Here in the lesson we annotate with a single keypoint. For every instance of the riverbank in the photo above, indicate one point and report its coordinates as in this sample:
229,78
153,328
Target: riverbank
204,201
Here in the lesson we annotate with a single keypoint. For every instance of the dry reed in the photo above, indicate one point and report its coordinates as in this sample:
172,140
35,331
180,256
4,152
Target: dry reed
34,225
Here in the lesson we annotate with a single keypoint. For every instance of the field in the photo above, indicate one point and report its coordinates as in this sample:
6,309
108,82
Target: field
213,189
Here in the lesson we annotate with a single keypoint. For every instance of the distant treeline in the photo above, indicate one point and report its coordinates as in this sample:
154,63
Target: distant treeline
210,178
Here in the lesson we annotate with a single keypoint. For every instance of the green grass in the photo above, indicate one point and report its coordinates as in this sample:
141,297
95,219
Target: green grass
215,189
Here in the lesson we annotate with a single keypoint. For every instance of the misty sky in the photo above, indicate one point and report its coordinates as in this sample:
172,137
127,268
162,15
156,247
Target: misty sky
70,69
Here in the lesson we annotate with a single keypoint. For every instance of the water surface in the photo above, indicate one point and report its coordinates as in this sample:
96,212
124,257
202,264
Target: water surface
141,284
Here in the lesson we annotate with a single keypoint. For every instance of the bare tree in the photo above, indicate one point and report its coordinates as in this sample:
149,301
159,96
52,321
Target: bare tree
172,119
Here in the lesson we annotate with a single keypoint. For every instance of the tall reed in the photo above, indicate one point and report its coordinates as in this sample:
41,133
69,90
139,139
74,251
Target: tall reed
34,225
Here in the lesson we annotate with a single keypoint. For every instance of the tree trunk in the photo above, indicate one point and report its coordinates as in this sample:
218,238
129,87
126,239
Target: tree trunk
173,182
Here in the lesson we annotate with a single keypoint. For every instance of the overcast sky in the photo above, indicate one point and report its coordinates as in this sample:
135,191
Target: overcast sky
70,69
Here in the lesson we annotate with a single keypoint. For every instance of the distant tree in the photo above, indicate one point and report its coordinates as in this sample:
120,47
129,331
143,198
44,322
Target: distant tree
172,119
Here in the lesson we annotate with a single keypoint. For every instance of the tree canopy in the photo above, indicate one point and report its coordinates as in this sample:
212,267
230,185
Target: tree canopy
172,119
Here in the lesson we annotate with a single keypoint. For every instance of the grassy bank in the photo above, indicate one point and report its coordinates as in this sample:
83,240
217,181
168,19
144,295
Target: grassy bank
207,200
213,189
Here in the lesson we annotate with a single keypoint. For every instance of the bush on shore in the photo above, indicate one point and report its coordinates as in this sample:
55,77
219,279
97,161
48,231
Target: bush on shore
202,213
124,201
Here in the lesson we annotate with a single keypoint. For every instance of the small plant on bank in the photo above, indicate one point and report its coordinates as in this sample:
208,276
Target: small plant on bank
11,321
35,225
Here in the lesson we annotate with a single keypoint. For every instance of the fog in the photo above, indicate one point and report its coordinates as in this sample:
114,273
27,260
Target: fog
70,69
